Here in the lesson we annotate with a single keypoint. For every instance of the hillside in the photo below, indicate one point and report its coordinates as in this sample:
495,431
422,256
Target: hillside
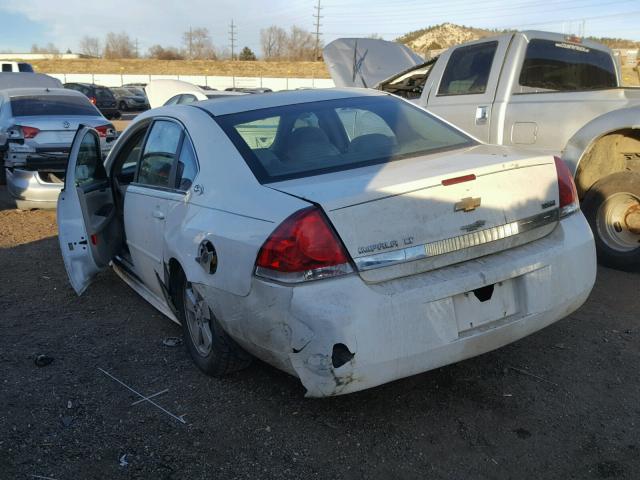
184,67
448,34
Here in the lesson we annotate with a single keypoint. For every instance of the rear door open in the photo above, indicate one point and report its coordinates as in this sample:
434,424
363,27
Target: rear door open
88,229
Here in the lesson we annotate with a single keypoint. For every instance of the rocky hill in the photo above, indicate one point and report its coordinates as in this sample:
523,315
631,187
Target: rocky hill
446,35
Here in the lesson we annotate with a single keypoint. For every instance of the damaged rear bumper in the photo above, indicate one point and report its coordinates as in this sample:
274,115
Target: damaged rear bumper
32,188
343,335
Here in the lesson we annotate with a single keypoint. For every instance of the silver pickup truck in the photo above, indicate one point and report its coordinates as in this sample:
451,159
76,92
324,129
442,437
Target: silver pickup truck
544,91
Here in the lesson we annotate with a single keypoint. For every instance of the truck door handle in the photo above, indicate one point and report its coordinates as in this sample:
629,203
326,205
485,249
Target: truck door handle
482,115
158,214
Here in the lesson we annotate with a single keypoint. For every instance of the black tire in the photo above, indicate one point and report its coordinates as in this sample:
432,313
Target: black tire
3,173
225,355
122,106
614,240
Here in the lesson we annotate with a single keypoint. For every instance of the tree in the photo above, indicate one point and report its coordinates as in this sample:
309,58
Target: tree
90,46
119,45
161,53
198,45
247,54
300,44
48,48
273,41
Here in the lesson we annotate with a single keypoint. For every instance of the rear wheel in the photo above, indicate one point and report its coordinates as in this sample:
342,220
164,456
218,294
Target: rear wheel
612,207
123,106
212,350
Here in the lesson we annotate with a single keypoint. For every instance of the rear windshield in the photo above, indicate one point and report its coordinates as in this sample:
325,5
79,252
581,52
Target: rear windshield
566,67
52,105
103,93
308,139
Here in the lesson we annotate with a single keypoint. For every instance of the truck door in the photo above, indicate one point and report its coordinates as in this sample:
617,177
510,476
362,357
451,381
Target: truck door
466,91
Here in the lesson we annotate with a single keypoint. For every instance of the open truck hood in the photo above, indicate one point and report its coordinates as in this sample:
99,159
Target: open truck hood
365,62
403,217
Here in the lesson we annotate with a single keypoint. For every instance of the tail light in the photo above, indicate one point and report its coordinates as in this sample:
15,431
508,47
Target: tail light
92,100
105,130
567,189
304,247
19,132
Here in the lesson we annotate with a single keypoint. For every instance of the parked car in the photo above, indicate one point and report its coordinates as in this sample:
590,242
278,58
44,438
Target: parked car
100,96
178,92
543,91
37,127
248,90
6,67
347,237
130,99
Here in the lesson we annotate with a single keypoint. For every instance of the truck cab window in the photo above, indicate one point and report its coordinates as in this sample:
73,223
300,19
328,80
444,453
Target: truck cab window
468,69
563,66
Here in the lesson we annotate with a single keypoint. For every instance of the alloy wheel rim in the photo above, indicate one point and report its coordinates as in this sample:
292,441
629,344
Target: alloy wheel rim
198,318
612,221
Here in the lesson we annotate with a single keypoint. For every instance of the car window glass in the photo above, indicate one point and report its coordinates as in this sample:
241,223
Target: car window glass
89,168
25,67
187,167
6,67
562,66
103,94
47,105
259,133
173,100
308,119
159,154
358,122
468,69
187,98
386,129
128,157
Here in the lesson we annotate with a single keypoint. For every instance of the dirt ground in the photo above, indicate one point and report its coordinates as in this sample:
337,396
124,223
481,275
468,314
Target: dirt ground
563,403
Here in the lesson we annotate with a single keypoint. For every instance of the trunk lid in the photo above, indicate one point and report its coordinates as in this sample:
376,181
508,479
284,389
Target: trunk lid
55,130
365,62
403,218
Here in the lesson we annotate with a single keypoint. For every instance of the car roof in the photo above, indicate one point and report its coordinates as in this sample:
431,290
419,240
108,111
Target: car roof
24,92
245,103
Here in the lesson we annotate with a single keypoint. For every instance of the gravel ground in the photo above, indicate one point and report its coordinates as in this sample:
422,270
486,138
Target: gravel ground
563,403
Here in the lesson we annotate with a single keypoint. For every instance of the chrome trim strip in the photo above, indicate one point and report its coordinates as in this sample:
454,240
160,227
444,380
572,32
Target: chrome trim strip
453,244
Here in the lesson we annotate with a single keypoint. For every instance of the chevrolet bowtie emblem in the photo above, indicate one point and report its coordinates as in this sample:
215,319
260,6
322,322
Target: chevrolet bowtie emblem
468,204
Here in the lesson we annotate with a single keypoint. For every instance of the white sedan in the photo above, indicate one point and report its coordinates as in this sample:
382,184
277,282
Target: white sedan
347,237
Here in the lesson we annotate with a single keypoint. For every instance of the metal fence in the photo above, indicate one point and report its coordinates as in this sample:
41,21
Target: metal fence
217,82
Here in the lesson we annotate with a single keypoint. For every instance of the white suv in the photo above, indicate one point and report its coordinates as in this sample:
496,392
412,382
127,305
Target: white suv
8,67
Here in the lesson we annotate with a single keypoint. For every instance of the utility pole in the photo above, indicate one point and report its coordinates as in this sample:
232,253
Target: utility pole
317,16
137,50
232,38
190,43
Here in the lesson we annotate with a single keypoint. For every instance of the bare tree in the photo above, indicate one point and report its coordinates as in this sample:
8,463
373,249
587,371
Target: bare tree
198,45
48,48
165,53
273,41
300,44
119,45
90,46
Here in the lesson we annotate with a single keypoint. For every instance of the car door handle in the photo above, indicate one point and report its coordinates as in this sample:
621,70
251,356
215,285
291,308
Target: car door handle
482,114
158,214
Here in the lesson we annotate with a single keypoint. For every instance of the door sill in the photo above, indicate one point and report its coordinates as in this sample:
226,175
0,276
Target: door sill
123,270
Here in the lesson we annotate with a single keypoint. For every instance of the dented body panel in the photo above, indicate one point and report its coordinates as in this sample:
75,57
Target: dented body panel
413,324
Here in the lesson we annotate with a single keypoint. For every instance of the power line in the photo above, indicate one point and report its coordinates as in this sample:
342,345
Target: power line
317,16
232,38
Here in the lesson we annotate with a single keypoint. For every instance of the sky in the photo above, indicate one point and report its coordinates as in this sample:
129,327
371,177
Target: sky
65,22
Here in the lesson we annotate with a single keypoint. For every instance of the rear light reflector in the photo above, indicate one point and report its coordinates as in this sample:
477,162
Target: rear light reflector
29,132
92,100
304,247
105,130
567,192
455,180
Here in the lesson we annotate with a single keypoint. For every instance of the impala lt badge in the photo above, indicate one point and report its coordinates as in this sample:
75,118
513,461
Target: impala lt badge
468,204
